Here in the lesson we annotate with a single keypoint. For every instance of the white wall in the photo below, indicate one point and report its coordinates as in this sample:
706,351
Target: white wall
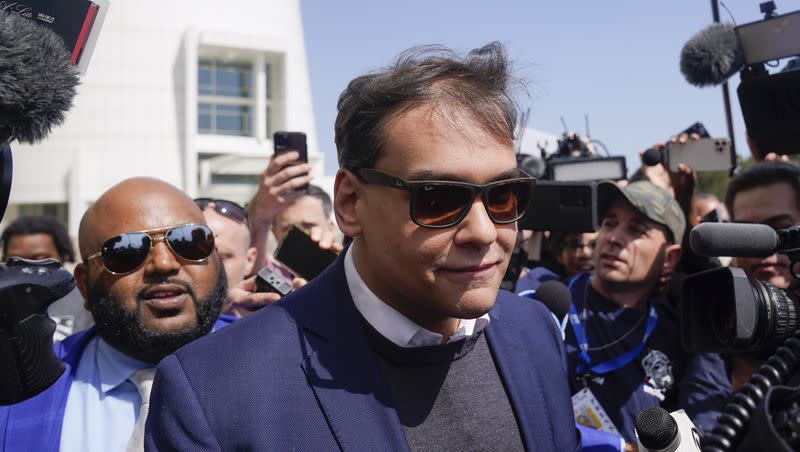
128,118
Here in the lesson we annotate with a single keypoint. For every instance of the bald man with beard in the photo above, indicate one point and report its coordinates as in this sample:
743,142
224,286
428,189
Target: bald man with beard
153,282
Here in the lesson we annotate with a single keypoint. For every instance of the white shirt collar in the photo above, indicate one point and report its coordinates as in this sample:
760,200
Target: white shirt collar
393,325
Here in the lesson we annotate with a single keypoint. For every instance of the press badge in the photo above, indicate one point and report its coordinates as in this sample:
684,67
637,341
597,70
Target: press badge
588,412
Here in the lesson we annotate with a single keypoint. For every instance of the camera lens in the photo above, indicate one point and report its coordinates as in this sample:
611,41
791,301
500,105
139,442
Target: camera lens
782,313
723,310
723,321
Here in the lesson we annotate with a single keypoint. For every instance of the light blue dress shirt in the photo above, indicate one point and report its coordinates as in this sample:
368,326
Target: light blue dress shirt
103,404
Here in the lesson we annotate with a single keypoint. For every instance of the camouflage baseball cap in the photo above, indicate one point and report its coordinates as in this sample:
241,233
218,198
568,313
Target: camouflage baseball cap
649,199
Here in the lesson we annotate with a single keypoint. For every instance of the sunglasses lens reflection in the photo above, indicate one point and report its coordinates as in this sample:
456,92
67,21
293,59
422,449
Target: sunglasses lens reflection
191,242
440,204
125,252
507,201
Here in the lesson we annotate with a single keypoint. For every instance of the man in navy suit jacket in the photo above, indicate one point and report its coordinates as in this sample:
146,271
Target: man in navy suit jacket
405,343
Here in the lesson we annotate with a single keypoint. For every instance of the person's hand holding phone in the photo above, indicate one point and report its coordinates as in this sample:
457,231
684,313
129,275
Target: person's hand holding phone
326,239
279,186
680,184
242,299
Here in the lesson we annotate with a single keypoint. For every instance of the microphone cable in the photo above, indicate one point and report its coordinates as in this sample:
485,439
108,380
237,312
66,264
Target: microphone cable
737,413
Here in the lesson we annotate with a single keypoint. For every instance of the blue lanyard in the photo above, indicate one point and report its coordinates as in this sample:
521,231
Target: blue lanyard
583,345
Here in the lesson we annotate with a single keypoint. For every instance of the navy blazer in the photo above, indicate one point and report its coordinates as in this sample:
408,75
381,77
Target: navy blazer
299,375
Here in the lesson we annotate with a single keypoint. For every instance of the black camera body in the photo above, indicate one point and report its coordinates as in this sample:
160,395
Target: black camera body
28,364
722,310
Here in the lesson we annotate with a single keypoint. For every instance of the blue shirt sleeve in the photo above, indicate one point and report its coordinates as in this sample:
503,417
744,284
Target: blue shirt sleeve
704,389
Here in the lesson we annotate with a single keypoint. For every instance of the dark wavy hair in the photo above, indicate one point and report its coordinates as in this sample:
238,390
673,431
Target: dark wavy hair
40,225
479,84
760,174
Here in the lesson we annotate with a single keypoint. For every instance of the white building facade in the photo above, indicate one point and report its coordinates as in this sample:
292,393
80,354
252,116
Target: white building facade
188,91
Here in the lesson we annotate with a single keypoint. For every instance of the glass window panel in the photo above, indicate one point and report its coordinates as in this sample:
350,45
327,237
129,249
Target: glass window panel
204,122
205,80
233,80
233,120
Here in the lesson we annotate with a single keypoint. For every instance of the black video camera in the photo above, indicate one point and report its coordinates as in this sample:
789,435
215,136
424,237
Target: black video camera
28,364
722,309
771,102
565,197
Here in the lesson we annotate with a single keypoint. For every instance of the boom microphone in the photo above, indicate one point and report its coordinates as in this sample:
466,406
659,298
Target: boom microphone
733,239
37,80
711,56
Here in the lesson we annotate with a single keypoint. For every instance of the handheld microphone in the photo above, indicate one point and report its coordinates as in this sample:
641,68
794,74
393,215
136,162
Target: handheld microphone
556,296
660,431
711,56
652,157
733,239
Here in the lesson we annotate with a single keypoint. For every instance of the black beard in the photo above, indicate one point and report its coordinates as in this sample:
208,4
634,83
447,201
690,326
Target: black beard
124,331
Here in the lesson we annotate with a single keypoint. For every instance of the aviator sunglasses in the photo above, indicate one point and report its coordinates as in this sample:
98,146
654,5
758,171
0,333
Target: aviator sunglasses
223,207
126,252
443,204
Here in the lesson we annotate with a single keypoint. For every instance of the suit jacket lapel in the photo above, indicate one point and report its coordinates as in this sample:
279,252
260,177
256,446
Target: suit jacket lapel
342,370
517,372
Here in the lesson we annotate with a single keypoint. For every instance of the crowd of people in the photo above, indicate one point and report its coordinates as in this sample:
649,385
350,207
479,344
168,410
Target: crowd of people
406,341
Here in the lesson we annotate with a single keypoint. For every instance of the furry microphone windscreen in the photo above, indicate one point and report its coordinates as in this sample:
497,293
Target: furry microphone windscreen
711,56
37,80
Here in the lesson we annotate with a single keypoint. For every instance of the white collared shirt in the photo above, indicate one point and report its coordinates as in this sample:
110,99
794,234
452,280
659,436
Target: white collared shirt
393,325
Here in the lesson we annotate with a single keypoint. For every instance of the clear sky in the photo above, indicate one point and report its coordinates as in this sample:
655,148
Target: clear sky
617,61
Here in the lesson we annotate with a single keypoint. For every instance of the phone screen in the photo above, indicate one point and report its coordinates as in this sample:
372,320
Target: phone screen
302,255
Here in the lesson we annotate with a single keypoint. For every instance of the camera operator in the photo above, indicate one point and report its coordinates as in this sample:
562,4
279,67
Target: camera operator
624,350
228,220
766,193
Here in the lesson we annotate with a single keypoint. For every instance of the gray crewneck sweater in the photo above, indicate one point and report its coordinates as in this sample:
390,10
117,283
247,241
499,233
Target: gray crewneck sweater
449,397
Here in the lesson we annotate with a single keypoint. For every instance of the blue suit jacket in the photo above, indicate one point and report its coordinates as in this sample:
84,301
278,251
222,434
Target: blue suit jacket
35,424
304,378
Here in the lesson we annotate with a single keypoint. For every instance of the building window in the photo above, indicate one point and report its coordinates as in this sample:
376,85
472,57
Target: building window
240,95
226,98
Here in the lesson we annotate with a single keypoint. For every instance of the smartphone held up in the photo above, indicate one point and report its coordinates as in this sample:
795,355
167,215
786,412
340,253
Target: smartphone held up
292,141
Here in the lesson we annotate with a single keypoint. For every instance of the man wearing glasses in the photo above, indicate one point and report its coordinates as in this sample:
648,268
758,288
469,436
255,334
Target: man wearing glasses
404,342
153,283
228,221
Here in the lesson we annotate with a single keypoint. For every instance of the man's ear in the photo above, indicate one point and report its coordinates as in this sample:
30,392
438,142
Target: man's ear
672,255
250,259
346,195
81,275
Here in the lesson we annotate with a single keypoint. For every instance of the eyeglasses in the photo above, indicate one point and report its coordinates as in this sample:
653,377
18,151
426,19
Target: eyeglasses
224,207
442,204
127,252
